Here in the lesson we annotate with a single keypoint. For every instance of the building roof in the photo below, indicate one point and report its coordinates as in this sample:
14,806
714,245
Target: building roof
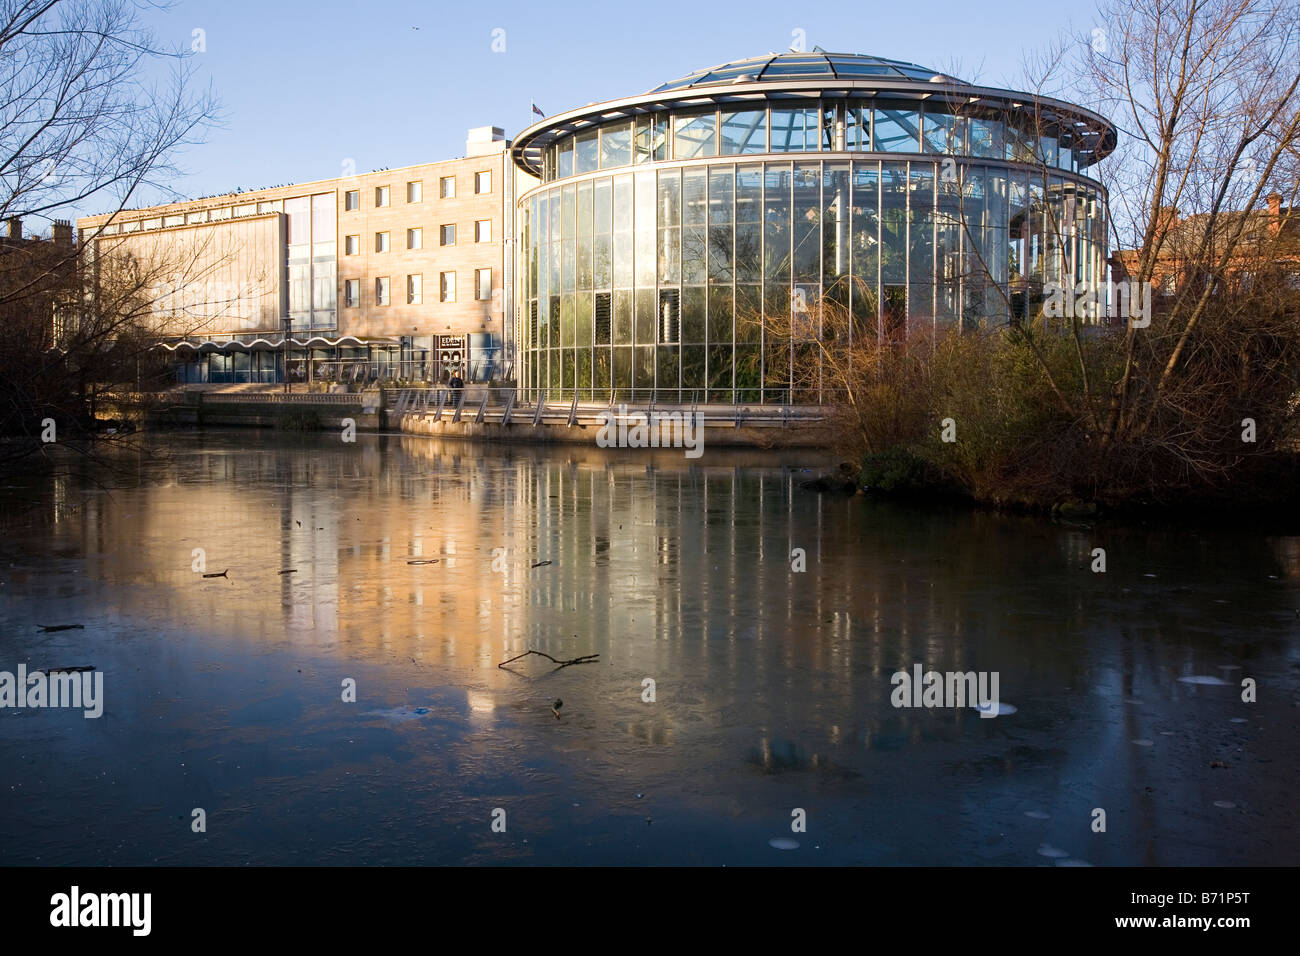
806,78
783,67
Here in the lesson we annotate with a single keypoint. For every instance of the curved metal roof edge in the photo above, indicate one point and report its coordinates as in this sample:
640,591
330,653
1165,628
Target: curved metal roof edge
575,119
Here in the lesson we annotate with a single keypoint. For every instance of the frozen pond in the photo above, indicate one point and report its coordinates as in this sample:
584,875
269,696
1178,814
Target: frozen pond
418,566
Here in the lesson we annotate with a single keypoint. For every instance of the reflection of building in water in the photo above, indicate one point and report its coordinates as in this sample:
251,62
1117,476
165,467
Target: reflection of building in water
665,570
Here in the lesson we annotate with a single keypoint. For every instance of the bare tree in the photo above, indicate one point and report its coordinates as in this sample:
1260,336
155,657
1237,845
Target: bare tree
1207,96
92,108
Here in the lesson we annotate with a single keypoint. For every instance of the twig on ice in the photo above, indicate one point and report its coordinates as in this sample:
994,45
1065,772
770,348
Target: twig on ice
585,659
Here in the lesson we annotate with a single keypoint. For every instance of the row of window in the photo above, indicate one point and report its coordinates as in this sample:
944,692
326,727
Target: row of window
219,214
351,203
415,191
415,288
415,237
894,126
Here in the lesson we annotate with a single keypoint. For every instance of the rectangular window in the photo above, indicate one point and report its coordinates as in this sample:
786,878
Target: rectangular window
616,146
381,242
695,136
351,245
414,289
744,132
351,293
415,191
381,290
650,140
483,181
794,130
381,196
483,230
564,157
352,200
447,187
896,131
415,238
446,287
483,284
586,152
447,235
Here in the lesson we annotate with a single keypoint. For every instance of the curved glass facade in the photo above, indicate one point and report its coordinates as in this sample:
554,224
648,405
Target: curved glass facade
643,284
680,253
880,125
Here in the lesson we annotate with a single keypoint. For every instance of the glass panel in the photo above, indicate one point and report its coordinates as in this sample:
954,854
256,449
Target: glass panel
896,130
806,222
694,197
893,223
622,203
644,329
659,137
641,151
585,223
744,132
720,315
604,206
721,194
985,137
669,200
865,227
695,135
616,145
693,314
669,256
948,243
857,125
623,260
622,371
776,223
944,131
568,213
586,151
583,308
829,123
693,368
585,248
298,215
604,265
921,242
835,228
565,154
623,317
794,130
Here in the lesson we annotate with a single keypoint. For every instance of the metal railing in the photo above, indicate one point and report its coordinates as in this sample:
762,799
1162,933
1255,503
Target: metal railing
295,398
506,406
364,373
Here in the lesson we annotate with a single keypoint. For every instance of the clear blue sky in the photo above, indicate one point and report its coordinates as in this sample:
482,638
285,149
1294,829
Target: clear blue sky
308,85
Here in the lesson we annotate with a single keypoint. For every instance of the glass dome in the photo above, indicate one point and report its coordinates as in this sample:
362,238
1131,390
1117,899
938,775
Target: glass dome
785,67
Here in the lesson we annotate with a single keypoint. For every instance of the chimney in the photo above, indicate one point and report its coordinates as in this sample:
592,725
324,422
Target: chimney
485,140
15,228
63,233
1274,213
